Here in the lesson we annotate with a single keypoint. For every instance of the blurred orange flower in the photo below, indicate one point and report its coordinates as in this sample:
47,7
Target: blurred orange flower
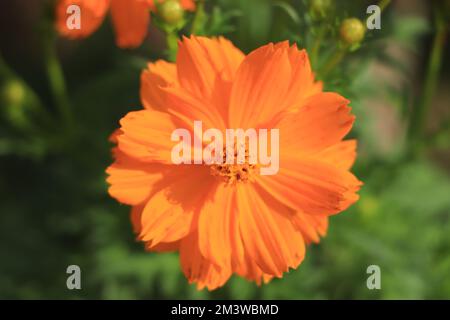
130,18
256,226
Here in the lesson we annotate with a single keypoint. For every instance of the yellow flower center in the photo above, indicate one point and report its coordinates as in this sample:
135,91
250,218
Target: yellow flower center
234,173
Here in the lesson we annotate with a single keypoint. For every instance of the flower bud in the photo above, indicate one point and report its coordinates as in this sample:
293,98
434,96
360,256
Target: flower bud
15,102
320,8
171,11
352,31
14,93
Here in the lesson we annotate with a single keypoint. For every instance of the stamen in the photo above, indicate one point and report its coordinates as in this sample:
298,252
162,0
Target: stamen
234,173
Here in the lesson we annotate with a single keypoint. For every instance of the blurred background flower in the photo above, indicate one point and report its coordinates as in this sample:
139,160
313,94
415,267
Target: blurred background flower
130,18
61,99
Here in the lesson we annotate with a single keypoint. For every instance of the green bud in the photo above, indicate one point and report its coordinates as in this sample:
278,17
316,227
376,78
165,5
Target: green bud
171,11
14,97
320,8
14,93
352,31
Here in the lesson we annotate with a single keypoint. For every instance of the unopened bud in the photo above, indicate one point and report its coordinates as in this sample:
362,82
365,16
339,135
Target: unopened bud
352,31
14,93
171,11
320,8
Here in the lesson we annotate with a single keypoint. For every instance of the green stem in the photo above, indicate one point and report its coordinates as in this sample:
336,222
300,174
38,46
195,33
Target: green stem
334,60
172,45
382,5
420,112
57,81
53,67
317,42
199,13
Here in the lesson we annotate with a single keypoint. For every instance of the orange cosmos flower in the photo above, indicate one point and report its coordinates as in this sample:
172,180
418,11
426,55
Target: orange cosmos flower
130,18
230,220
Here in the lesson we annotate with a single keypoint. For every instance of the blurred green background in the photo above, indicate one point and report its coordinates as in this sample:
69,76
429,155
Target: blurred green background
60,100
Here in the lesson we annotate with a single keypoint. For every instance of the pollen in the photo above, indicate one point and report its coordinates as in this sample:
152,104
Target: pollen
235,172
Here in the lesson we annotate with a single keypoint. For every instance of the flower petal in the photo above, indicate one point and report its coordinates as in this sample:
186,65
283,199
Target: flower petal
199,270
271,80
158,75
188,109
302,82
188,5
342,154
131,181
312,226
164,247
201,60
270,238
250,271
262,82
321,122
130,19
241,261
91,17
172,209
163,221
214,226
311,186
160,91
147,136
